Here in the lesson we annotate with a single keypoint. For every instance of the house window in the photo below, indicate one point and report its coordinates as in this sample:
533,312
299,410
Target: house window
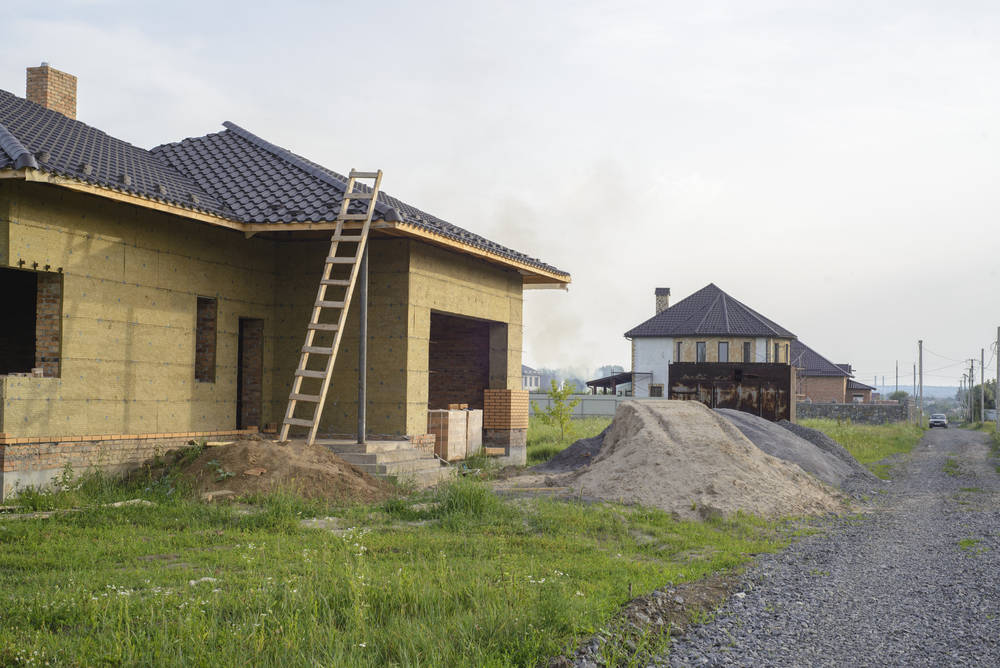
678,358
747,355
777,351
31,335
656,391
723,351
700,351
204,338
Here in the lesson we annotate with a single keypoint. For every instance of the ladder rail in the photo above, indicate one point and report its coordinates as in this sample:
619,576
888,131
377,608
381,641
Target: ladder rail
296,393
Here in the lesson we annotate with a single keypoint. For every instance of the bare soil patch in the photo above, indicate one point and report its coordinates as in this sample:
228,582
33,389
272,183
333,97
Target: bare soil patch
259,466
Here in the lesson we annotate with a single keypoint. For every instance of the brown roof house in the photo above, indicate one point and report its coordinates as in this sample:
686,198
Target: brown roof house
707,326
822,381
152,296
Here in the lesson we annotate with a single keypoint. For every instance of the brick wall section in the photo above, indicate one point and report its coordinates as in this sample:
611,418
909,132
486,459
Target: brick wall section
83,453
52,89
205,339
823,388
48,323
251,371
505,409
459,361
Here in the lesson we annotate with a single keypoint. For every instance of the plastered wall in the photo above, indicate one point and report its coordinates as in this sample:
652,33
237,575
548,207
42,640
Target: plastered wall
131,278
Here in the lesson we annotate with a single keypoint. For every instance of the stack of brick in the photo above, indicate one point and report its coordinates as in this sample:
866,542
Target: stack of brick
505,422
449,428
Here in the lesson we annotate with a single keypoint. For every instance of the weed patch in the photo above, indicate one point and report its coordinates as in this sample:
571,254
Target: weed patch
493,582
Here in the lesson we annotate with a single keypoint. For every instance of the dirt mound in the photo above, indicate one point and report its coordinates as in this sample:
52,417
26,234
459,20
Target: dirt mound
684,458
576,456
779,442
260,466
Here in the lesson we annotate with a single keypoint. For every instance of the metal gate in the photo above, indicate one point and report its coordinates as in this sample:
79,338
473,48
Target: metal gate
761,389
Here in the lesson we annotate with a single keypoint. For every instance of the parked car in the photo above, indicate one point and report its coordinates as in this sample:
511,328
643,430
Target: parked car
938,420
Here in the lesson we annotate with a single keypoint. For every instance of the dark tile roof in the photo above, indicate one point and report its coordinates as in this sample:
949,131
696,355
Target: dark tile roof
847,368
855,385
811,363
709,312
528,371
33,136
232,174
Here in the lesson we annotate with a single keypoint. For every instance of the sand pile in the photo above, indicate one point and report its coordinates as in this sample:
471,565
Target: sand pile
684,458
783,442
260,466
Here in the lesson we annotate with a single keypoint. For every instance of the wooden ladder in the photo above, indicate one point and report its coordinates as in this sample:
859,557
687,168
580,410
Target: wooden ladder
330,329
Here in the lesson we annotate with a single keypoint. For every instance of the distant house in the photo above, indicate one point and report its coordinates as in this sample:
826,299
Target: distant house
707,326
859,393
531,380
819,379
822,381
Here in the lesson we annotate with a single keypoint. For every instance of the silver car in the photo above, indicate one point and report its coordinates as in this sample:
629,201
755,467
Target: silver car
938,420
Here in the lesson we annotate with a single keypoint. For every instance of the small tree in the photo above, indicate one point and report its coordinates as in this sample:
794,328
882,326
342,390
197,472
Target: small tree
899,395
560,411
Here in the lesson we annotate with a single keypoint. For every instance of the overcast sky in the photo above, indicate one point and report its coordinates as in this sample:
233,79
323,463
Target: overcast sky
833,165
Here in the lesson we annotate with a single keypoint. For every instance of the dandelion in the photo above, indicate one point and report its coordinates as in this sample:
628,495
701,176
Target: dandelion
361,644
579,593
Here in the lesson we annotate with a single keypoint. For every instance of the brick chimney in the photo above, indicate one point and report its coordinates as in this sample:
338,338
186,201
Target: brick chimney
52,89
662,300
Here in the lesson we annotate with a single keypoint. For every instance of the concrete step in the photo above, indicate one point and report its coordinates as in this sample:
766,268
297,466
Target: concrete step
383,457
422,479
341,447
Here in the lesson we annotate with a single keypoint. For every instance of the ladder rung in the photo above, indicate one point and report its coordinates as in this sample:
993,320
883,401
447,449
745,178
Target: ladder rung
308,373
341,260
363,175
317,350
335,281
354,216
299,422
347,238
358,195
314,398
326,304
322,326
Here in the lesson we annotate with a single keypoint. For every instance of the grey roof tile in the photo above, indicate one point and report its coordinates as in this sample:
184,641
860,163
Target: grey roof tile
709,312
855,385
232,174
811,363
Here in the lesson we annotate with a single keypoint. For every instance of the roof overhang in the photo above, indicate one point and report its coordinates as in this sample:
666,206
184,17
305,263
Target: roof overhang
532,277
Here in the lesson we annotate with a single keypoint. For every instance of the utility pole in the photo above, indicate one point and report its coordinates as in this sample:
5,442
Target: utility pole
996,388
920,348
982,384
897,375
972,382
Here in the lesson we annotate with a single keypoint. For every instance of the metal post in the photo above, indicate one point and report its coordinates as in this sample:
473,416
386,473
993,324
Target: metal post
972,384
363,346
996,387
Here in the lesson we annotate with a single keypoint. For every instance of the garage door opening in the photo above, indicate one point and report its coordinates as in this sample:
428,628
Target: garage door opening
458,361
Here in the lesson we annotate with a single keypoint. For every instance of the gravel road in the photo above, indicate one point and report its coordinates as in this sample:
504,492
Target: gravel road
916,582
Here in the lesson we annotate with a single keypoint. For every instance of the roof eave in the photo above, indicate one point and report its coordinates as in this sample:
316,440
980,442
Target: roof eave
533,277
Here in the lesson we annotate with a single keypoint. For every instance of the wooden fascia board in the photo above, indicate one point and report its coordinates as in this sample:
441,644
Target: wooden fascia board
532,277
530,274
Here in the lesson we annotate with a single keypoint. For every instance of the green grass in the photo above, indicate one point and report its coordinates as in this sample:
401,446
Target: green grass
545,441
870,443
457,577
951,466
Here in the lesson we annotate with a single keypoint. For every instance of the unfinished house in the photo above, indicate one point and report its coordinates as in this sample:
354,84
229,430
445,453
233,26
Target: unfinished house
153,296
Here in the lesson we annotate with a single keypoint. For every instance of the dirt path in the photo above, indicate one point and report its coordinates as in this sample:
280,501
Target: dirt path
915,583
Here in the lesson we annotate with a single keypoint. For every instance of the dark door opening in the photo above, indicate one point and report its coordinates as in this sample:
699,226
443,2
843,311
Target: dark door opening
250,373
458,361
